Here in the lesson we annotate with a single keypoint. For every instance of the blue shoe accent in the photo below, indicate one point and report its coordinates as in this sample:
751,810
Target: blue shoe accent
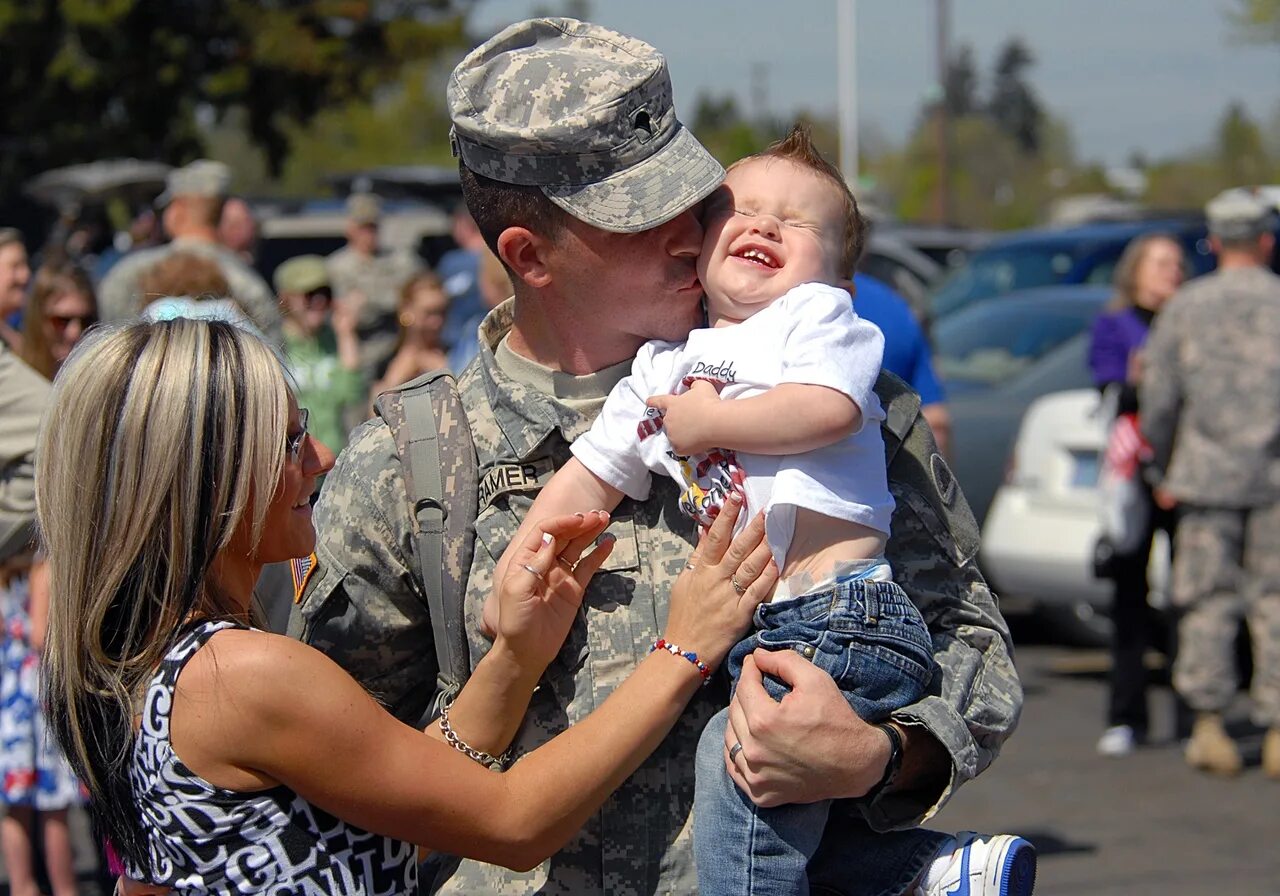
1019,871
963,888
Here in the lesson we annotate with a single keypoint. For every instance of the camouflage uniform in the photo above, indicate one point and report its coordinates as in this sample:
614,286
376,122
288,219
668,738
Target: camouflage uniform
120,295
23,395
380,277
365,609
1211,409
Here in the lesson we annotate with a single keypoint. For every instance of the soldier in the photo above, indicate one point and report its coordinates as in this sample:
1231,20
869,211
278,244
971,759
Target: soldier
1210,402
362,267
192,203
23,394
587,187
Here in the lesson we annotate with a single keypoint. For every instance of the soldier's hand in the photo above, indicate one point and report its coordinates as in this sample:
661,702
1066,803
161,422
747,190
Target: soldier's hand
809,746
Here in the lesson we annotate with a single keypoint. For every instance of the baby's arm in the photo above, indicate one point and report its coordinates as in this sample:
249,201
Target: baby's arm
573,489
789,418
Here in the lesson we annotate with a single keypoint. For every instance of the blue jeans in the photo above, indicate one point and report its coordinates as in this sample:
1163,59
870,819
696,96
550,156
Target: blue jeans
872,640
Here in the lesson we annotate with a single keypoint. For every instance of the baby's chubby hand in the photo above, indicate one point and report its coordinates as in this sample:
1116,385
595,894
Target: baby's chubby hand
689,418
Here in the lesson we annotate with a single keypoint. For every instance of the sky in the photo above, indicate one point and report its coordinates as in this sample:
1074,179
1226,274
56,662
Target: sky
1126,75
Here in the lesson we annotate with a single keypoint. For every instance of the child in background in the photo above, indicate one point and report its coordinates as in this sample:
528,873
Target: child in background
37,781
774,400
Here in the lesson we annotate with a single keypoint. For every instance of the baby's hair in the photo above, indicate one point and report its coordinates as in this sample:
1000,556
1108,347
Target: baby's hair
797,147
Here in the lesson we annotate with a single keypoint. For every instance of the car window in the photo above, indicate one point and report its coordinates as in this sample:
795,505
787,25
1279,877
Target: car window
993,343
995,271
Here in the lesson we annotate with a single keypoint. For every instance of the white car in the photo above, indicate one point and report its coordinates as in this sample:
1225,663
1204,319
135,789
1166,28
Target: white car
1039,535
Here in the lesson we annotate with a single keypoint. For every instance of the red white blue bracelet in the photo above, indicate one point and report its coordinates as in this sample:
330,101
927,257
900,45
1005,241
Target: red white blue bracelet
674,650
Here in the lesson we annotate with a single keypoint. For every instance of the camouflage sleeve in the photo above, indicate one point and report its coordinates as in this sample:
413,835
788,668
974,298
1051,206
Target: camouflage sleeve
23,394
1160,394
975,698
363,606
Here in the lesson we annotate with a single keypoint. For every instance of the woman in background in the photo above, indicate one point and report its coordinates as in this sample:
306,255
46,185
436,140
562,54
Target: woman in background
419,348
61,308
1147,275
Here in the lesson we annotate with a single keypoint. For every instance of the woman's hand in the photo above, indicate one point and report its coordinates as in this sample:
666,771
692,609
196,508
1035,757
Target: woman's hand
542,590
723,583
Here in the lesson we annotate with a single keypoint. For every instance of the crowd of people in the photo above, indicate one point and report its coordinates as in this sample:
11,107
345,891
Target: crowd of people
505,575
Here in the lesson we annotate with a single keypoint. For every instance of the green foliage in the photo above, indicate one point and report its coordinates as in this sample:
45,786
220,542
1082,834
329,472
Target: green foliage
90,79
1256,21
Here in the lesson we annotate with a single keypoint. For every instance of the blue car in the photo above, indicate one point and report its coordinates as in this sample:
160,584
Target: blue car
1059,256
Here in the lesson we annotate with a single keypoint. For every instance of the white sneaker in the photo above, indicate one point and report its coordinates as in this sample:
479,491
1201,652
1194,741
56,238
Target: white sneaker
972,864
1118,740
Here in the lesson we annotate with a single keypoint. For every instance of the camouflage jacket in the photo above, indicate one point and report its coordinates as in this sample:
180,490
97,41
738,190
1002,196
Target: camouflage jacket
365,609
1210,394
120,294
23,395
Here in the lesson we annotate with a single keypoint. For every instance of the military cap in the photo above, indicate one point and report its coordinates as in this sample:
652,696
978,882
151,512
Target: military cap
304,274
584,113
203,177
364,208
1238,215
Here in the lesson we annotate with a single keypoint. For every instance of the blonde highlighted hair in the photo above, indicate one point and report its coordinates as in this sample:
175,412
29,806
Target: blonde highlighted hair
160,442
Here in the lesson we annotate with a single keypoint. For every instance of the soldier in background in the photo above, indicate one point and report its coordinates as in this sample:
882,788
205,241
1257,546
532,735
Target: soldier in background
596,220
23,395
1210,406
362,266
192,203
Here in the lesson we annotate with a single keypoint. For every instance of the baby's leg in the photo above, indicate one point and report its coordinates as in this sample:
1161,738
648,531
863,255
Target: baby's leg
740,848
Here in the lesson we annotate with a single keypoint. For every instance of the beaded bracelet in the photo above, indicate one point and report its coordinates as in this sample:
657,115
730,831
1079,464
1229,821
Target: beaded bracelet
663,644
451,737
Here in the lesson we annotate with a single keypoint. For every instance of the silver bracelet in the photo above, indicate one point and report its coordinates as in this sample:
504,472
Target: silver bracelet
451,737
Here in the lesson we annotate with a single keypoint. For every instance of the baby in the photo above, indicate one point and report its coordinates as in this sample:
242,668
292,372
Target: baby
773,400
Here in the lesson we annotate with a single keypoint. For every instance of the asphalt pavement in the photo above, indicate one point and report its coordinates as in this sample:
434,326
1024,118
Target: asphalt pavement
1146,823
1104,827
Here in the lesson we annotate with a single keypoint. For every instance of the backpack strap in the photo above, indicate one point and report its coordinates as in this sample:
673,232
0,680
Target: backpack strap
438,460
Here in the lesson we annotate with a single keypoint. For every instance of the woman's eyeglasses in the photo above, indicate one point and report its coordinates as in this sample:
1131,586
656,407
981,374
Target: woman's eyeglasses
61,322
293,444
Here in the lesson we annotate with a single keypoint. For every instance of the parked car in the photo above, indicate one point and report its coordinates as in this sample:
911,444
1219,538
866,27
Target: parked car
894,261
948,246
1068,255
995,358
1039,535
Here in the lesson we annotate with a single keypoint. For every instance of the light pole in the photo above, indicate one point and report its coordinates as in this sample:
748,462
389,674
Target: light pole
847,82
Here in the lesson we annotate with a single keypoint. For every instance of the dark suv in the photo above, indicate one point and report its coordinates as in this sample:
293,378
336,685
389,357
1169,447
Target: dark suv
1045,257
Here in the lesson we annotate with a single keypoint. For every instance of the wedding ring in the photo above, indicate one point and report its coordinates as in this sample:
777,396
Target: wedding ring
741,589
565,563
690,567
735,750
537,575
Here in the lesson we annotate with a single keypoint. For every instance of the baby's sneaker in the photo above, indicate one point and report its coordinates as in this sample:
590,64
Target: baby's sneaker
972,864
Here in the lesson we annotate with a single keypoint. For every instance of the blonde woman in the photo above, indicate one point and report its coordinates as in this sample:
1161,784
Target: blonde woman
174,463
1147,275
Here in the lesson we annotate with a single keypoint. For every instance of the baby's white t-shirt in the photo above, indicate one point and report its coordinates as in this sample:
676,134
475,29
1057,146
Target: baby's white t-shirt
809,335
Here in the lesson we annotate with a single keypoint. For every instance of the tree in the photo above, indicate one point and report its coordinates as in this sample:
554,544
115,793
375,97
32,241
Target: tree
1013,105
960,84
88,79
1242,157
1256,21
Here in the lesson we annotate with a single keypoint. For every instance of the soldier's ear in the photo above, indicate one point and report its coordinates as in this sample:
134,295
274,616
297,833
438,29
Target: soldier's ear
527,255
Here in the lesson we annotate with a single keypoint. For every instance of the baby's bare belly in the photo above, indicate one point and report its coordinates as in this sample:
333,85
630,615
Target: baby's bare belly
821,542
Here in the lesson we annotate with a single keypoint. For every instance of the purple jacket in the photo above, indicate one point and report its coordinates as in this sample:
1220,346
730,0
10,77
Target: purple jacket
1115,336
